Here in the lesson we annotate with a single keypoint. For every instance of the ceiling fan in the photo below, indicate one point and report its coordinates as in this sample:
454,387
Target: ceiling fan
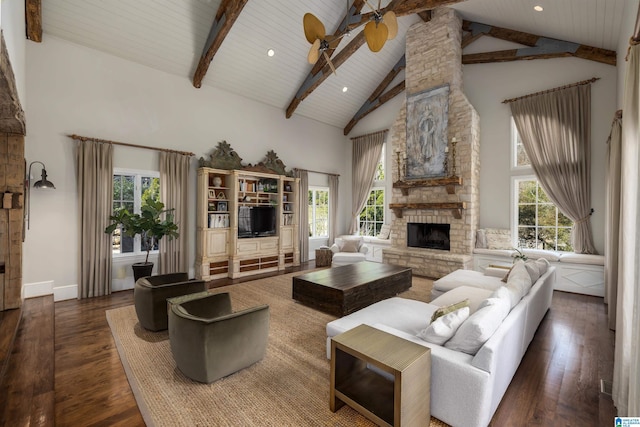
376,32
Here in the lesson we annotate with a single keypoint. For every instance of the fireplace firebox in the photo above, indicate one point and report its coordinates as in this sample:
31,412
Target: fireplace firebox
428,236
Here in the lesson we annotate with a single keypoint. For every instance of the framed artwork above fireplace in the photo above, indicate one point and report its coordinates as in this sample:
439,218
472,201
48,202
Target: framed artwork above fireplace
427,120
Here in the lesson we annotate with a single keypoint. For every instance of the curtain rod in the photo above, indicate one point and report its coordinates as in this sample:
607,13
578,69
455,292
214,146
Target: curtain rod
584,82
370,134
324,173
106,141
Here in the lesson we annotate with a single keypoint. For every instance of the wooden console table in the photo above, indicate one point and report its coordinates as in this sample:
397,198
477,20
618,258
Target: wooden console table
396,392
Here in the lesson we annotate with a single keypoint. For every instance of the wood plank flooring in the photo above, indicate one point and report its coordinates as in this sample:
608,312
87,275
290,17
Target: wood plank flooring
64,369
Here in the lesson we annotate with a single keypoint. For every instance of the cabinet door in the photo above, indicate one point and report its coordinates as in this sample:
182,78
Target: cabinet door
217,243
286,234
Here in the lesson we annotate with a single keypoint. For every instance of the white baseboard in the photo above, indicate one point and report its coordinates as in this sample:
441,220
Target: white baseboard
62,293
37,289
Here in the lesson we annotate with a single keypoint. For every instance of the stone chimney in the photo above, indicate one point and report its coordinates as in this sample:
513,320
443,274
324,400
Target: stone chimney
434,58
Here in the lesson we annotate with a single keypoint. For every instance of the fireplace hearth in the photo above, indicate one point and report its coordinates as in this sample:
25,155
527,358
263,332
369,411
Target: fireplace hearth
428,236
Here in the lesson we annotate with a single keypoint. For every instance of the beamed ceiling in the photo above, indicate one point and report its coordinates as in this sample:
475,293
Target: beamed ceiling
224,43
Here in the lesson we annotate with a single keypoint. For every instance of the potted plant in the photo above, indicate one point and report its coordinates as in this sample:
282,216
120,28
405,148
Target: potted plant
149,225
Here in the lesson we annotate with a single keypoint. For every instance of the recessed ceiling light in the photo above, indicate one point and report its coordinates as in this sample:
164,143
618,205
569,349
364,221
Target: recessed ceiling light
344,89
538,8
271,52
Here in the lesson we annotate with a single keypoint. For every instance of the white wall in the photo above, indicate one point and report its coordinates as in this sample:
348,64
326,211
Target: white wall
73,89
12,23
487,85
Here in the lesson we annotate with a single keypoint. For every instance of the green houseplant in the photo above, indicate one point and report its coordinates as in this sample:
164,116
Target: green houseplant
151,227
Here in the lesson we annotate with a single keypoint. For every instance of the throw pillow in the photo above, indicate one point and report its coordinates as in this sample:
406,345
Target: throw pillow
448,309
479,327
519,282
498,238
444,327
350,246
533,269
506,277
481,239
385,230
543,265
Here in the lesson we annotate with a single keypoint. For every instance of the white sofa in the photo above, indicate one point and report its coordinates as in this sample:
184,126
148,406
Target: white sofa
465,389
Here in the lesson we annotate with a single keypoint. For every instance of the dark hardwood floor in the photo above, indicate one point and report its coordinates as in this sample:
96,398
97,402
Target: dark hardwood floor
64,369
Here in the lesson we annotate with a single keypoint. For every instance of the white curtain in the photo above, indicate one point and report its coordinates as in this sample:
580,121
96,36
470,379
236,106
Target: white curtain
333,207
626,369
612,220
174,187
303,207
366,155
94,174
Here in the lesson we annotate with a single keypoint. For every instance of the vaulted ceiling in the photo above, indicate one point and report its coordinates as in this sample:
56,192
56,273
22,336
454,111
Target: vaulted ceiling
174,36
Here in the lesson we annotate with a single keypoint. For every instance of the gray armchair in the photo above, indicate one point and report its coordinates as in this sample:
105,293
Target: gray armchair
150,297
209,341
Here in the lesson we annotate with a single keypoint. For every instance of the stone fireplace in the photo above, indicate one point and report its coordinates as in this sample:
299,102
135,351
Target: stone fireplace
434,58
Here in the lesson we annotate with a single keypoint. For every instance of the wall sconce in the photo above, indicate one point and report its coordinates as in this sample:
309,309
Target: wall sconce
43,183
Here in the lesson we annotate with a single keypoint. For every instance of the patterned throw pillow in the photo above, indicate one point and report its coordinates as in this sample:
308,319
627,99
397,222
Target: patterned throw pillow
498,238
448,309
385,230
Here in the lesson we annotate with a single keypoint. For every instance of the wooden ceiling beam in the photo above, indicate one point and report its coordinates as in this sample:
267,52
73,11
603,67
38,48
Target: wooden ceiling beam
538,47
378,98
321,70
33,18
226,16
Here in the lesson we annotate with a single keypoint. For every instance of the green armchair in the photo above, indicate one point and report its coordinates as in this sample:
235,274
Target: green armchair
209,341
150,297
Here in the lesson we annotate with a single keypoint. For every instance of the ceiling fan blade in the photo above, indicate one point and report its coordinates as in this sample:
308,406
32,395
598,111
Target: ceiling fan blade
313,28
391,22
375,35
326,56
314,52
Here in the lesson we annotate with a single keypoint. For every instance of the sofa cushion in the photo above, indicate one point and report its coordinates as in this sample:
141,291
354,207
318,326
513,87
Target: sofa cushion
582,258
539,253
466,278
444,327
480,326
449,308
473,294
404,314
498,272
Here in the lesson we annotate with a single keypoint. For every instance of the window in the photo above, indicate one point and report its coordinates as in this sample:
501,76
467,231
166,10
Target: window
540,224
318,212
519,158
131,190
372,216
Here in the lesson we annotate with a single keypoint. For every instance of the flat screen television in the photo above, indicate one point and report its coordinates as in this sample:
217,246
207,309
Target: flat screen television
256,221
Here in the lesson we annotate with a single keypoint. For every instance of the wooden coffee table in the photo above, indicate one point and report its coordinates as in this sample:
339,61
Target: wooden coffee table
343,290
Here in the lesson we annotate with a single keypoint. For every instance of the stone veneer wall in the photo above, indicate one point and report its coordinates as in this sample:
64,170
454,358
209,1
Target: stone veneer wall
434,58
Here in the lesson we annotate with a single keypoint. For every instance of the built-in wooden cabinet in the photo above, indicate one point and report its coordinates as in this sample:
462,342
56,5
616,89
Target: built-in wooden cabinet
226,244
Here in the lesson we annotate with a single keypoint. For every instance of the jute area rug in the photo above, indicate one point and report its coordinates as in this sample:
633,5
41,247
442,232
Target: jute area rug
289,387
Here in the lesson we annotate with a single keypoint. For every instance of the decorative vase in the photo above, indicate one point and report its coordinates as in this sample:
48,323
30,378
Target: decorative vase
217,181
